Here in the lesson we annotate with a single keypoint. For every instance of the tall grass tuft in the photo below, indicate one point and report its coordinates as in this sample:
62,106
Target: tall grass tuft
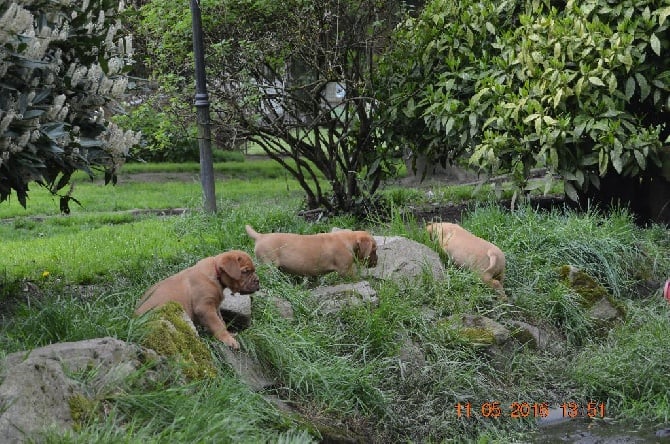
629,371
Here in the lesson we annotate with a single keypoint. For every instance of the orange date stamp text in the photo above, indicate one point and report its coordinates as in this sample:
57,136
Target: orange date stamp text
522,409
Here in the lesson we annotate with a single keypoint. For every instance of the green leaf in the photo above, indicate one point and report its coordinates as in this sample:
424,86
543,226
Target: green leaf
570,191
612,83
557,97
409,108
595,180
617,161
603,161
655,44
490,28
30,114
549,120
663,14
579,177
596,81
449,126
644,86
641,160
530,118
553,157
579,86
630,88
590,159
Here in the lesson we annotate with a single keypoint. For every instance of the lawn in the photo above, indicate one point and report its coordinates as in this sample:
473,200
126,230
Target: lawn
91,267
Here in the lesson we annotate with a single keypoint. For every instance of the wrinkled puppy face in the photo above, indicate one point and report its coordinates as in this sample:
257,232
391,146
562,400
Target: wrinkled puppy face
366,249
237,272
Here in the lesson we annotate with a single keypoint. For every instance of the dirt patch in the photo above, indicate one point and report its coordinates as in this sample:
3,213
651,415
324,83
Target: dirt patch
134,213
455,212
159,177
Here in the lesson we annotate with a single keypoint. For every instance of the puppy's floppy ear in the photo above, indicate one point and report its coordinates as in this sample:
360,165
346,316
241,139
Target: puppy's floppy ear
363,246
434,232
230,265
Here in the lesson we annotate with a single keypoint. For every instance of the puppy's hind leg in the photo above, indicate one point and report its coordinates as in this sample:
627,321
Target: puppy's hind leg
490,274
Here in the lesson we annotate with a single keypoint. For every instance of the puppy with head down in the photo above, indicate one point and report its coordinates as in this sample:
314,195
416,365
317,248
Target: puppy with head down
199,290
315,254
475,253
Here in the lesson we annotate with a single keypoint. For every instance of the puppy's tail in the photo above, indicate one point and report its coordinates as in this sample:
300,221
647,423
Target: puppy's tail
251,232
495,269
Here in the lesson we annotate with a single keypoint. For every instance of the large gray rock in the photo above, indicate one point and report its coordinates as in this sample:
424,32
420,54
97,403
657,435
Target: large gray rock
601,305
401,258
334,298
479,330
37,386
248,368
235,310
535,337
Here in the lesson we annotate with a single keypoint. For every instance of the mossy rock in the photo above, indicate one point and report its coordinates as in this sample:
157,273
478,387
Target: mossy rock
475,330
171,334
479,336
82,410
600,304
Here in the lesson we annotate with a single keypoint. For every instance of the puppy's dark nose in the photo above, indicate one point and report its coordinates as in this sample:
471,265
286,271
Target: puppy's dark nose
254,284
372,260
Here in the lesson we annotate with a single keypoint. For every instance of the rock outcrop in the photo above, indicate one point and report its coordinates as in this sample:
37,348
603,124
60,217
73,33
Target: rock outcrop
43,388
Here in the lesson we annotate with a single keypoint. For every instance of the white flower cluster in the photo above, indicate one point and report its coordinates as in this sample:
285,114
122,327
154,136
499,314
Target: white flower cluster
58,111
6,117
93,79
12,145
18,26
117,142
15,20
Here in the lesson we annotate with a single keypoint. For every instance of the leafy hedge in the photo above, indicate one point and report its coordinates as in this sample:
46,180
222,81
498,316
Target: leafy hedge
581,88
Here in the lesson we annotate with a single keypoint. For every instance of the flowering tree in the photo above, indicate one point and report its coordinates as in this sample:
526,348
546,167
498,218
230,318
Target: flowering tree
62,66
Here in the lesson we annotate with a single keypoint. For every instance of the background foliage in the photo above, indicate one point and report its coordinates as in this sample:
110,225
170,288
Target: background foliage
271,67
62,66
580,88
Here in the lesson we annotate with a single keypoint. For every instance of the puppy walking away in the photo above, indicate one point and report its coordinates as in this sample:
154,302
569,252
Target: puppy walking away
475,253
315,254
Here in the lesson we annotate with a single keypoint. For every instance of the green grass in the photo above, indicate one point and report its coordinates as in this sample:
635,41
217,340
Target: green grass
347,368
179,187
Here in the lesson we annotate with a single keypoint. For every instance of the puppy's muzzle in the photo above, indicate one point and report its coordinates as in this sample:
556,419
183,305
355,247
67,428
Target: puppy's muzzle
250,285
372,259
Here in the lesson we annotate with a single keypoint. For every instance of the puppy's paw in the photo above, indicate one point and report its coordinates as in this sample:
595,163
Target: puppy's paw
224,336
232,343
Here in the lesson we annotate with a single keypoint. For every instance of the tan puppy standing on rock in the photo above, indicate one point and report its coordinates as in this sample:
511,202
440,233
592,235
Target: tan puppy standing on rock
199,289
475,253
315,254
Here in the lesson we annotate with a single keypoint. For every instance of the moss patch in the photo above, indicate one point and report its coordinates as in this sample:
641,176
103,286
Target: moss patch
169,334
478,335
474,330
587,287
584,285
594,297
82,410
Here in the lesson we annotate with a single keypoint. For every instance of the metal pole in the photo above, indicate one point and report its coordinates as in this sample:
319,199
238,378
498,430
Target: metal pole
202,108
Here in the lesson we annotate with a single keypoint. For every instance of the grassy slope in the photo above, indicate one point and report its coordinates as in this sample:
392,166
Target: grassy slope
345,367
